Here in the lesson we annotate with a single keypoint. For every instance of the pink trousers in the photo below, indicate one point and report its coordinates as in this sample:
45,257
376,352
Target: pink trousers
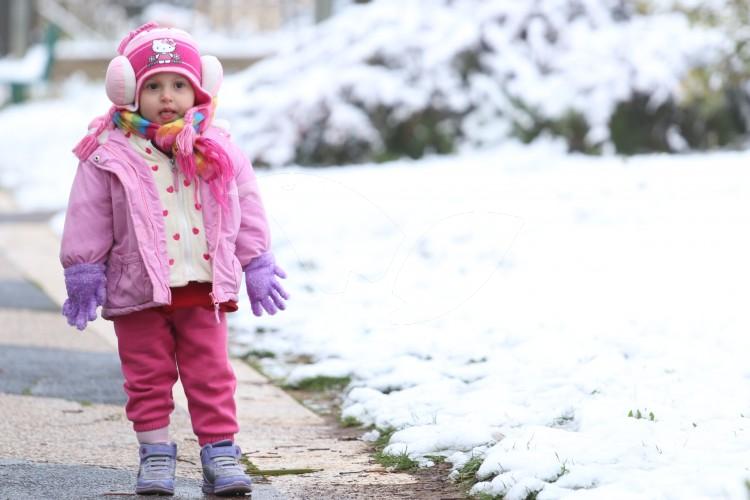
158,345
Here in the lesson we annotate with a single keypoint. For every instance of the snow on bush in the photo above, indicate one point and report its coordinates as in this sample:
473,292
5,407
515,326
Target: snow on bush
389,78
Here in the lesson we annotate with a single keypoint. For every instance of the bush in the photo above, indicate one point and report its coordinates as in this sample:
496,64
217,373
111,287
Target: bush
404,79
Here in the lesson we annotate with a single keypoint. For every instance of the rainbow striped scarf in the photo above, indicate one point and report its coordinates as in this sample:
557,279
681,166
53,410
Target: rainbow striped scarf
196,155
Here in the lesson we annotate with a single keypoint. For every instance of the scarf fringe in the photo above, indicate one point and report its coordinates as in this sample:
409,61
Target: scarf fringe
196,155
219,172
183,148
90,142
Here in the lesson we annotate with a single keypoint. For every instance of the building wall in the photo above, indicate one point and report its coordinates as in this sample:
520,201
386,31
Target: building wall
16,27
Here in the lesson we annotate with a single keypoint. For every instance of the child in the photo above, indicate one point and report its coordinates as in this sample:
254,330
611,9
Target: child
164,215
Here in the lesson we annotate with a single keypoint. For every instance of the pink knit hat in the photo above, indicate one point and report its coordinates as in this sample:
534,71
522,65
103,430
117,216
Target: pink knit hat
151,49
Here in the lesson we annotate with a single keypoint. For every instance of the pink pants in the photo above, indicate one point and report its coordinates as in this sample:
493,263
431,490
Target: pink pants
155,345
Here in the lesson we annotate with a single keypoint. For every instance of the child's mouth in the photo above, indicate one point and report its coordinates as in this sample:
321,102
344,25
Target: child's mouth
167,115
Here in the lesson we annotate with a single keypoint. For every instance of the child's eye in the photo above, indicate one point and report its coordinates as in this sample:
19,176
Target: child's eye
180,85
152,86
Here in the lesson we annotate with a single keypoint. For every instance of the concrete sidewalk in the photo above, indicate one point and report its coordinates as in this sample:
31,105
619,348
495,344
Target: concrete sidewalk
63,431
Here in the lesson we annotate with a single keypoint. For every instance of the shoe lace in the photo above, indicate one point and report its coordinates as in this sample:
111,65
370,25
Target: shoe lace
226,465
157,465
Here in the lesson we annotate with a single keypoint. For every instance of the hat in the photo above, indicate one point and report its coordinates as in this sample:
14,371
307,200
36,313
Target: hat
152,49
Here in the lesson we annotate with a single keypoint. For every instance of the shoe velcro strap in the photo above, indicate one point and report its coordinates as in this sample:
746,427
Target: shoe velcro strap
152,450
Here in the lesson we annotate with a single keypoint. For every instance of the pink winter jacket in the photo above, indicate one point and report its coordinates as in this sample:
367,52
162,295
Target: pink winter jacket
114,217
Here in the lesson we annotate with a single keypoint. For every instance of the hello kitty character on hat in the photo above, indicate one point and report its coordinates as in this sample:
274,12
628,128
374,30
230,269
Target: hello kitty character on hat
153,49
164,52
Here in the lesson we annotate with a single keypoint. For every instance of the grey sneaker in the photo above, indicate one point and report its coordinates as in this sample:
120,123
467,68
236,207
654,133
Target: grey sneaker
222,473
156,472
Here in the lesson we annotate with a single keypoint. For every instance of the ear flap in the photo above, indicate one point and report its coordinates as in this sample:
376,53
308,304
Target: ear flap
120,81
212,74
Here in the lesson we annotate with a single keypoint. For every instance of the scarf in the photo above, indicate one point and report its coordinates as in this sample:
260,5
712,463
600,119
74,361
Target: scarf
196,155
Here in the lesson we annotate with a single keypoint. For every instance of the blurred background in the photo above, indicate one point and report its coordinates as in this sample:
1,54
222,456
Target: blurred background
535,233
78,36
389,80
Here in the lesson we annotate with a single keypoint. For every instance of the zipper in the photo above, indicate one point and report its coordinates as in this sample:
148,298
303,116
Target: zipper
150,221
213,263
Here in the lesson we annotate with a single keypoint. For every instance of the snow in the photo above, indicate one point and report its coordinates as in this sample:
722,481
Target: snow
388,57
40,177
249,46
27,69
515,303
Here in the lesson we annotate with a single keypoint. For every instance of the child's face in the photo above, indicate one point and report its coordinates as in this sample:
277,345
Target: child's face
165,97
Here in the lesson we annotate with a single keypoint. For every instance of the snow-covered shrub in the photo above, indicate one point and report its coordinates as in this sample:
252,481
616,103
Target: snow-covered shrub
710,106
391,78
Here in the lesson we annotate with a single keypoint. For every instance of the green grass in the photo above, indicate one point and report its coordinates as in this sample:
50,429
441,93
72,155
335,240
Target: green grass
253,469
467,475
263,329
320,383
642,415
350,421
399,462
384,438
563,420
250,467
486,496
260,354
437,459
254,363
255,358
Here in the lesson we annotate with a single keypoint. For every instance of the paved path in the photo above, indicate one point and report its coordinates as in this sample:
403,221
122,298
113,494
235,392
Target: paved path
63,433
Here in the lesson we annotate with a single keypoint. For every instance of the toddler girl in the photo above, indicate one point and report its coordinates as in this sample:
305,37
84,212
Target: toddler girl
164,216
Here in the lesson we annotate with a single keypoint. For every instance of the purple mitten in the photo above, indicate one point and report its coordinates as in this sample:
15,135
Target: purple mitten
263,288
86,285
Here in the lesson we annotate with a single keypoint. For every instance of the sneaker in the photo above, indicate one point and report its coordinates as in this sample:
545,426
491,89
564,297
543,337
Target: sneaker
222,473
156,472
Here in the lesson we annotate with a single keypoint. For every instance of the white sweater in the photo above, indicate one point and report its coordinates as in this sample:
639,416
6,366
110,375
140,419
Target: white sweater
183,217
